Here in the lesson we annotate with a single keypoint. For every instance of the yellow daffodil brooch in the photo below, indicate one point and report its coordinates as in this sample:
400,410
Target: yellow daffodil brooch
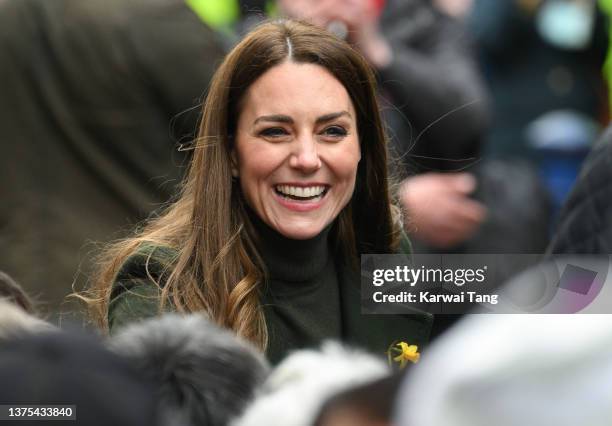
401,353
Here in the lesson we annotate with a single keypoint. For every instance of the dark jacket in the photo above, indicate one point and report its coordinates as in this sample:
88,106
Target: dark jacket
437,100
89,93
585,221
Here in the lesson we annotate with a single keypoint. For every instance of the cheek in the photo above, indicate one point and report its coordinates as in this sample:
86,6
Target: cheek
345,169
255,168
250,174
349,163
353,166
258,164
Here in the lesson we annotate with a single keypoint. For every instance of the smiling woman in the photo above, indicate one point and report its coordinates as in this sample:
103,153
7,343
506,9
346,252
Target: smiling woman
287,186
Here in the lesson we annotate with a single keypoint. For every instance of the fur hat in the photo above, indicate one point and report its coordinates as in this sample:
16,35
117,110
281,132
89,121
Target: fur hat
203,373
14,321
297,388
14,293
76,369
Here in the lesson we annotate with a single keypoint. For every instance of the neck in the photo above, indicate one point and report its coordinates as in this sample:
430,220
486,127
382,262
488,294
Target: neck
287,259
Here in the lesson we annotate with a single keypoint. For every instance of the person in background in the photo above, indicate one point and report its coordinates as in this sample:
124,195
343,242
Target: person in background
585,222
91,111
369,404
542,61
284,191
537,56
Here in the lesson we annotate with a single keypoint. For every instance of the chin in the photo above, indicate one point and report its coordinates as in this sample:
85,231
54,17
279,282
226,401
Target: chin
301,231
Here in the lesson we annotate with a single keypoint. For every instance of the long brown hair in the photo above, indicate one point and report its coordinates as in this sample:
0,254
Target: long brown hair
217,268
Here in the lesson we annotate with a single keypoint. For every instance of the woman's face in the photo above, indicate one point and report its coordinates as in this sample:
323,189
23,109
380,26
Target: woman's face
297,148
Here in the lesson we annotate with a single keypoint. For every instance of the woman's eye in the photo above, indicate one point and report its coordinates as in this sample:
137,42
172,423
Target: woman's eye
274,132
335,131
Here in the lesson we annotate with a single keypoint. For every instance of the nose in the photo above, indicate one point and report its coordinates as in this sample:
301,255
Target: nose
305,156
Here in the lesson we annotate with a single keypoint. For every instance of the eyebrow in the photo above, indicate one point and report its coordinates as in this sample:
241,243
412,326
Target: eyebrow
280,118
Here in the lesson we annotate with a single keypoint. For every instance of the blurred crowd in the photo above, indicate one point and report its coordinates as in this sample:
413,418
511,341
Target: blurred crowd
496,114
176,370
490,106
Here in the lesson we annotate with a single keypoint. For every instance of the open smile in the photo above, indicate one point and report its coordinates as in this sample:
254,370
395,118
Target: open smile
301,193
301,198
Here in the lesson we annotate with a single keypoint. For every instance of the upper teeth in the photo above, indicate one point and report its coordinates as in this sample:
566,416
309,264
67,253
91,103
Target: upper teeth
300,191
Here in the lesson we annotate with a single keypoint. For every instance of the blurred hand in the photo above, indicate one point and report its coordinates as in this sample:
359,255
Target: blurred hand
317,12
361,19
359,16
456,8
438,209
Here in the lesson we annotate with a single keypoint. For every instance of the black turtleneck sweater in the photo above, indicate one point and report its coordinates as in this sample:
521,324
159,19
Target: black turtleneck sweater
301,296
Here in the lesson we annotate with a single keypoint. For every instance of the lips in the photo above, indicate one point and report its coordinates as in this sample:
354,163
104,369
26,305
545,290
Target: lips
302,193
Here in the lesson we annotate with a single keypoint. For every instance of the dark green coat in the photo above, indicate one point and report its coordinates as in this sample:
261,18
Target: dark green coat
135,297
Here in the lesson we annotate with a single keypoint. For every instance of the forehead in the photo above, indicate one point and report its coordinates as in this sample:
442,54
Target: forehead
296,89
